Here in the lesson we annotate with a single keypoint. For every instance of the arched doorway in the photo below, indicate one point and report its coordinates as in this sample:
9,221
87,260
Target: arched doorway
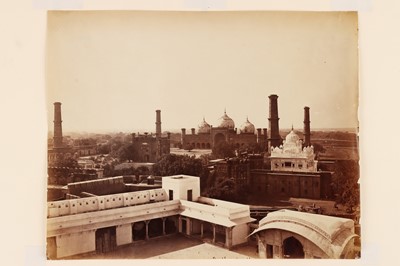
292,248
219,137
170,225
139,231
155,227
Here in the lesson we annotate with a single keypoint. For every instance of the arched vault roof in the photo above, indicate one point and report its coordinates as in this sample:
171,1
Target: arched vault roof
331,234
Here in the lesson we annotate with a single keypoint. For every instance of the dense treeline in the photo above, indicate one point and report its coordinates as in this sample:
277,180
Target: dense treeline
345,183
172,164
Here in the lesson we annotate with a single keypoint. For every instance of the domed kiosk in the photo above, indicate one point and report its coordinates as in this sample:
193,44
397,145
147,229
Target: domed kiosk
291,156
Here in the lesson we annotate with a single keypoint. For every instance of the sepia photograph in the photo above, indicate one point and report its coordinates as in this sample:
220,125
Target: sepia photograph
202,135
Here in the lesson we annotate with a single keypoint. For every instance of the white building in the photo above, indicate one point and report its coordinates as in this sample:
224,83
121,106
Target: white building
292,157
102,223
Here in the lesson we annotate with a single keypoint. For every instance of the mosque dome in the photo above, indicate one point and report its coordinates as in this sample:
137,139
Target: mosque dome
247,127
226,122
204,127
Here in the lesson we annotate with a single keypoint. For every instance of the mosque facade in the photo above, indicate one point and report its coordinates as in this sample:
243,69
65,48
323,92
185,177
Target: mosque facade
208,136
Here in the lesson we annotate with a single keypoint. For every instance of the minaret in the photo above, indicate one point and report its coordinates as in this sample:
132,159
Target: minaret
259,135
274,137
158,124
307,132
183,137
58,137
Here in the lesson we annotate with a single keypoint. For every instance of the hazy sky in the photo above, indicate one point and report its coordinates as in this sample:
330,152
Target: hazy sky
111,70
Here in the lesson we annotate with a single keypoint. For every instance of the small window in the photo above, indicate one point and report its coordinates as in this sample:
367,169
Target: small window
80,203
131,198
66,206
108,200
119,198
113,199
101,201
59,206
127,198
144,195
87,203
138,197
94,202
73,205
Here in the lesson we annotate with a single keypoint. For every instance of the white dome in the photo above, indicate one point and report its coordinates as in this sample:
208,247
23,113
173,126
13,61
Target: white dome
292,138
247,127
226,122
204,127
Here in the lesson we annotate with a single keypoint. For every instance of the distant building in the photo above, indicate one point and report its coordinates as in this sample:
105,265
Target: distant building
293,168
238,168
151,147
293,172
292,156
208,137
85,147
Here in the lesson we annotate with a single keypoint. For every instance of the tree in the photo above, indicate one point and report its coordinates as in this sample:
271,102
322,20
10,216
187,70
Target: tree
104,148
318,148
127,152
252,148
68,162
189,147
225,189
173,164
345,183
142,170
223,150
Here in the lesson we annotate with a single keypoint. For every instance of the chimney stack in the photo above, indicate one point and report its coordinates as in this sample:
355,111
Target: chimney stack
274,138
193,131
158,123
58,137
307,131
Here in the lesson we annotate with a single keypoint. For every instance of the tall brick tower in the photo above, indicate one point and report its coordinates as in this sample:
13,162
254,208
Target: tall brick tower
158,123
58,137
274,139
307,132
